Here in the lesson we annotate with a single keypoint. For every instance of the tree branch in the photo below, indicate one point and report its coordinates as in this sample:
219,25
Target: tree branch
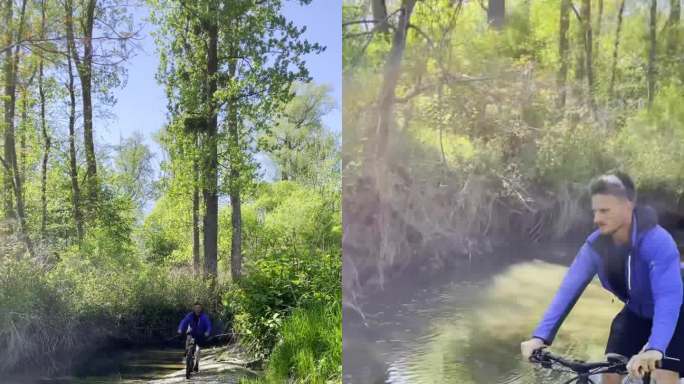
420,32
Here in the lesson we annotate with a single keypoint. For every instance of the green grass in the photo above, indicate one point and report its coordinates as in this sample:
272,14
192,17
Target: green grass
309,350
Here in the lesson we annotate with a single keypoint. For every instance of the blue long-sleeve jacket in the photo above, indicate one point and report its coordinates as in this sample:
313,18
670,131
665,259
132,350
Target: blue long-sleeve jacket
198,330
653,278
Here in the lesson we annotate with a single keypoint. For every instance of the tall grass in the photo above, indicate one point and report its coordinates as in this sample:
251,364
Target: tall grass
49,320
310,348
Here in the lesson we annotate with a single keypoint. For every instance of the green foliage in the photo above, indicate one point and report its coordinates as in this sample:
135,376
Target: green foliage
108,238
274,287
569,153
261,55
35,318
167,230
299,143
309,349
296,261
133,172
651,144
127,278
478,114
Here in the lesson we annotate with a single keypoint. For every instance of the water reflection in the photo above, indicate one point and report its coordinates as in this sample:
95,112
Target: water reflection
160,366
469,332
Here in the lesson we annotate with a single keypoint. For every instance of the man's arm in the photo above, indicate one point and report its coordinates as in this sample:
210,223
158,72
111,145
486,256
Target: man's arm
183,324
581,271
666,285
207,325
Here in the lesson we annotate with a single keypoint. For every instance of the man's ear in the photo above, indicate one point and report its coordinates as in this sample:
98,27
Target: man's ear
630,207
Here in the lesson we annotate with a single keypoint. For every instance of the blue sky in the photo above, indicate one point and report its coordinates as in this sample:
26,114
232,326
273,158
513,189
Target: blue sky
141,105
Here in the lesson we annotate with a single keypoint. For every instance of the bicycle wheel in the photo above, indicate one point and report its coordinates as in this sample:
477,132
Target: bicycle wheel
189,356
189,363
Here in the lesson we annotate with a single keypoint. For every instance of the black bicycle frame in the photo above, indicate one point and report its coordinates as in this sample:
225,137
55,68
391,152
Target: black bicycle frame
583,370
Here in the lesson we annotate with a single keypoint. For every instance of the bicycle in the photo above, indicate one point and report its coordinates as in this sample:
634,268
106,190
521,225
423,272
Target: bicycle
584,370
190,348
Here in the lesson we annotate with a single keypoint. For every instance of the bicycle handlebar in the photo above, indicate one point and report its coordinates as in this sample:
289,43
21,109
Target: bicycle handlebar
615,364
546,359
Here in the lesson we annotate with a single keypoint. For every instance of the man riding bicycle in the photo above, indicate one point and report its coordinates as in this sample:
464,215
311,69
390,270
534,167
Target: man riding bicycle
638,261
198,325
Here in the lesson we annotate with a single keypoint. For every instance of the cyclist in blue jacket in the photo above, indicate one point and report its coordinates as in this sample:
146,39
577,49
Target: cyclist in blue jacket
197,324
638,261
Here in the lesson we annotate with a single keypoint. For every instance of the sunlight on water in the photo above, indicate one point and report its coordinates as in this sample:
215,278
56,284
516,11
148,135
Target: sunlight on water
479,342
140,366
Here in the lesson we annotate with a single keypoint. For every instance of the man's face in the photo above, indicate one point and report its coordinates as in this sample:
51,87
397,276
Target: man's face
610,212
197,309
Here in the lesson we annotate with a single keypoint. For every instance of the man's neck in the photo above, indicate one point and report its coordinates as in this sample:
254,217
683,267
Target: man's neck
622,235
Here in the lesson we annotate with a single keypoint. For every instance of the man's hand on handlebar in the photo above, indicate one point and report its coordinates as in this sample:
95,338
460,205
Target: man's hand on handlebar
643,362
528,347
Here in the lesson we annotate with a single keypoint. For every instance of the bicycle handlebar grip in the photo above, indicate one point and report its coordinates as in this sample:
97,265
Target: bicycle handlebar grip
647,378
647,375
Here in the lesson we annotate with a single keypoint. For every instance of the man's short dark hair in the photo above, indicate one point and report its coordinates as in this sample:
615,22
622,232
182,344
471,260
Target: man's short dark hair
616,184
197,303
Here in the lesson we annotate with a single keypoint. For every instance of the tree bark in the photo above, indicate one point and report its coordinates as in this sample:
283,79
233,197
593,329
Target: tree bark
235,185
580,60
377,136
673,26
10,161
236,223
588,45
380,15
652,54
375,159
22,139
496,13
616,46
84,67
73,168
235,201
563,47
46,137
210,187
9,111
597,34
195,214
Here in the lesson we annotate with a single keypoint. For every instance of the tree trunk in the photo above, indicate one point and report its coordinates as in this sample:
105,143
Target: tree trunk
73,168
673,27
10,161
86,82
377,136
235,202
210,188
236,222
580,60
84,67
195,214
9,111
611,87
597,34
588,44
46,136
652,54
235,186
375,150
22,139
563,46
380,15
496,13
